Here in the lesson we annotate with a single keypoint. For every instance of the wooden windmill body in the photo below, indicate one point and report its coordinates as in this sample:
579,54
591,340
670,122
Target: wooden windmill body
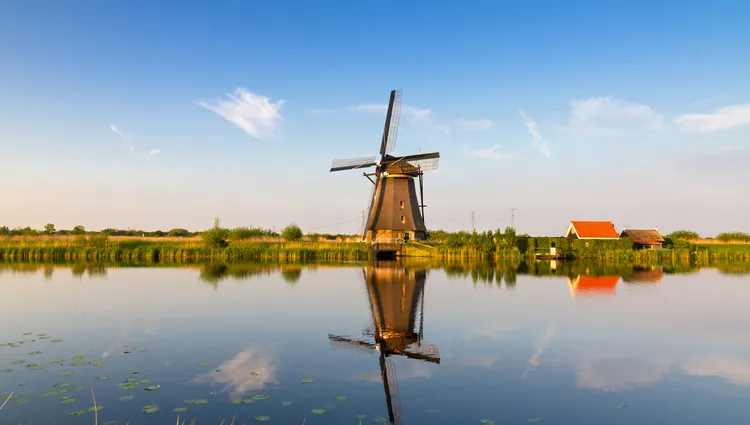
395,210
396,297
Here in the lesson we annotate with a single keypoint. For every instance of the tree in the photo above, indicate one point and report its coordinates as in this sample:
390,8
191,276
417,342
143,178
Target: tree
216,237
291,232
50,229
4,231
79,230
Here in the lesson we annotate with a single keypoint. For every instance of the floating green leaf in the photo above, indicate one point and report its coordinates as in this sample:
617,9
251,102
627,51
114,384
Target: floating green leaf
45,337
152,387
253,373
202,364
180,410
77,364
126,397
212,393
286,403
307,381
535,420
55,340
97,363
247,401
67,399
262,418
33,353
127,385
360,416
68,373
20,401
102,378
197,402
35,366
380,419
77,413
133,372
260,397
28,333
6,370
62,384
18,361
79,357
319,411
366,376
237,401
59,362
339,398
146,351
150,409
98,408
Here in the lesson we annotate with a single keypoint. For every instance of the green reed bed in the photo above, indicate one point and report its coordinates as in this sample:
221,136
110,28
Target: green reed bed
153,251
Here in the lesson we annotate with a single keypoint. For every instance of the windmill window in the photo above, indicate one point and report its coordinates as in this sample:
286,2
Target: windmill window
403,220
402,205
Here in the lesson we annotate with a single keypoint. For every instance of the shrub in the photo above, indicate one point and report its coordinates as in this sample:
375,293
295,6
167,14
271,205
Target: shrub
684,234
733,236
98,240
79,230
216,237
291,232
178,233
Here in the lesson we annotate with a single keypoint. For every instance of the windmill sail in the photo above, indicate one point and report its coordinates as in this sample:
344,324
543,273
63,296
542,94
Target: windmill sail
392,119
353,163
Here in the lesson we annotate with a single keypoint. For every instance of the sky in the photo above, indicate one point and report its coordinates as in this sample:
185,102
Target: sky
157,116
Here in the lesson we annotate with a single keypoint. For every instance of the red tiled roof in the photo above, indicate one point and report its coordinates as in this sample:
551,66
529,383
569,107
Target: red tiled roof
595,229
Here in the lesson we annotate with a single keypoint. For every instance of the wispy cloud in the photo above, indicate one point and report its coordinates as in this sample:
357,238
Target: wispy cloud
536,136
721,119
541,347
602,116
490,153
732,369
443,128
483,124
152,153
619,373
411,112
709,99
126,140
251,369
257,115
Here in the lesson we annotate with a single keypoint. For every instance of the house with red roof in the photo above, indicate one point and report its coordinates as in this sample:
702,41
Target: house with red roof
592,230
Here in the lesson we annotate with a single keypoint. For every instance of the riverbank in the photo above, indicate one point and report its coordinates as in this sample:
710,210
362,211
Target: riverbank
190,249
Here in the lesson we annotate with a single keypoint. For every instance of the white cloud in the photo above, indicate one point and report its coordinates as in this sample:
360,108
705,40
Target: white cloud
619,373
536,136
251,369
443,128
731,369
475,125
611,116
541,347
255,114
721,119
126,140
412,112
490,153
152,153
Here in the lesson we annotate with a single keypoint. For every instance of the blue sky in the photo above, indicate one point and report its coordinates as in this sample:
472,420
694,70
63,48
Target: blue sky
135,114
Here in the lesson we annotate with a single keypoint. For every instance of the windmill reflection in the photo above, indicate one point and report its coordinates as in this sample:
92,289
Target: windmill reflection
396,295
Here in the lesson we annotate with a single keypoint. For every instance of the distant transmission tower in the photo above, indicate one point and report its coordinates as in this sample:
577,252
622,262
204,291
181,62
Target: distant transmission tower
513,218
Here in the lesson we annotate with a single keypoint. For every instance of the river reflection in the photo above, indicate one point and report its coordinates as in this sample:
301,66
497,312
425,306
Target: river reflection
546,342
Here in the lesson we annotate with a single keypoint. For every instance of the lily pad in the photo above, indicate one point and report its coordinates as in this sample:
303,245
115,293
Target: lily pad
237,401
126,397
152,387
45,337
97,363
262,418
487,422
6,370
79,357
68,373
18,361
146,351
212,393
133,372
253,373
62,384
360,416
98,408
77,364
35,366
247,401
59,362
20,401
127,386
55,340
202,364
286,403
33,353
339,398
28,333
260,397
366,376
102,378
535,420
67,399
319,411
180,410
197,402
77,413
307,381
150,409
380,419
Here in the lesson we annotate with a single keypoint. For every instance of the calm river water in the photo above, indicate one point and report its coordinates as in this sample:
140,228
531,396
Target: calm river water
344,344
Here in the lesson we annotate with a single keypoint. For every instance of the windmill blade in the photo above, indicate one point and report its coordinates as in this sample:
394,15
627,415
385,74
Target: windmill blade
392,119
413,163
353,163
351,343
424,352
390,385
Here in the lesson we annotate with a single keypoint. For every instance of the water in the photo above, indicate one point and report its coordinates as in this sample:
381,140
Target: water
645,348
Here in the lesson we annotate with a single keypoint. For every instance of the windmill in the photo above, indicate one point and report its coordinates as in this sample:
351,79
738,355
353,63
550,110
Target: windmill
393,209
395,294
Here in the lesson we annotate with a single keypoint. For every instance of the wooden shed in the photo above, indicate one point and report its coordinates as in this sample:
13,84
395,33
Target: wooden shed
644,239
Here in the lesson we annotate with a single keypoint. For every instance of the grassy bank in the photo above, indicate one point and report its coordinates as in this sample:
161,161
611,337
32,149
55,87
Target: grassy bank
175,250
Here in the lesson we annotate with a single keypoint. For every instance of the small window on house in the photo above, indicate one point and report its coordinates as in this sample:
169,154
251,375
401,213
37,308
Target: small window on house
402,205
403,220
